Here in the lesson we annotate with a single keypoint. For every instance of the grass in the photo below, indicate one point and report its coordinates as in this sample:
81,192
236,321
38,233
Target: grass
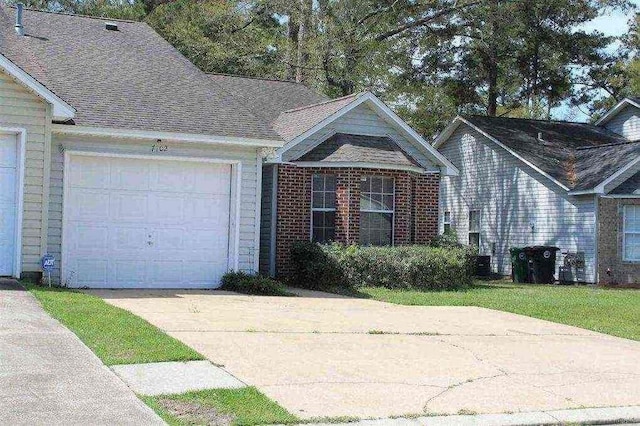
610,311
246,406
115,335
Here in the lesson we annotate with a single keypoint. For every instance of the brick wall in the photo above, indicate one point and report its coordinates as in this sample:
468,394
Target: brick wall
415,216
610,232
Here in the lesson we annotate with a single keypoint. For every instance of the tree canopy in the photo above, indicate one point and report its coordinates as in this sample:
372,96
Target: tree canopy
430,59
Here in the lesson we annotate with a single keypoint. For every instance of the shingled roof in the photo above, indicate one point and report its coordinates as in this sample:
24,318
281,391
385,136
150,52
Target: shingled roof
578,155
133,79
347,148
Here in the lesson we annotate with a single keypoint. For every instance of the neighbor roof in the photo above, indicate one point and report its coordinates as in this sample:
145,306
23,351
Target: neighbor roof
566,151
347,148
134,79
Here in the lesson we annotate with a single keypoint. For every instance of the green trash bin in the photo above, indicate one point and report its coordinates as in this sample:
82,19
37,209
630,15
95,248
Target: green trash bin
519,265
543,263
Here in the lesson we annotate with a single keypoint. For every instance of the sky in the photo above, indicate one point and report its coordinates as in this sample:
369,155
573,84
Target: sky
611,24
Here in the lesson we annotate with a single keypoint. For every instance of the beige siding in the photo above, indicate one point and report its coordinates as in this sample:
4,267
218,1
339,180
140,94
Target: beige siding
248,251
20,108
361,120
626,123
511,197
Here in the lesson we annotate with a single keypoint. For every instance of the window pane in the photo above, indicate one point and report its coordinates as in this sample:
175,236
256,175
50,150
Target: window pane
376,184
330,183
365,184
329,219
447,228
330,200
632,246
474,239
388,202
318,182
388,185
474,221
318,200
632,218
365,201
376,228
447,217
376,202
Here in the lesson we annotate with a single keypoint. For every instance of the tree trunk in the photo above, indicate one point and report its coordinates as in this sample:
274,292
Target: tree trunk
302,58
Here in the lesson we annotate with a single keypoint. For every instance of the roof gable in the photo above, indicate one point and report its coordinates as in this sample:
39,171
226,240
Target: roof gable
572,155
318,118
630,101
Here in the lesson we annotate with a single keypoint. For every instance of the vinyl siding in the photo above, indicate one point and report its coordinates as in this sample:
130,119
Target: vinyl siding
248,251
511,197
361,120
20,108
626,123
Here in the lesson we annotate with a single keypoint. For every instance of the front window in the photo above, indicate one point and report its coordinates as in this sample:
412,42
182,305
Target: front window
323,208
474,228
631,217
376,210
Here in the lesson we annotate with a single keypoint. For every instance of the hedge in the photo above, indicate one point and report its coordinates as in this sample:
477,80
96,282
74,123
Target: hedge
242,282
327,267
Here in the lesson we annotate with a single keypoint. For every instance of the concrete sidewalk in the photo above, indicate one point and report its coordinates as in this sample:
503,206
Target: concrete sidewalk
48,376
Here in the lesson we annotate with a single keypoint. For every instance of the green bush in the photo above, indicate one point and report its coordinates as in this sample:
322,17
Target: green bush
326,267
242,282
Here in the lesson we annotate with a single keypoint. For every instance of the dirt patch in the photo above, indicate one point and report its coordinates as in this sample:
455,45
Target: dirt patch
194,413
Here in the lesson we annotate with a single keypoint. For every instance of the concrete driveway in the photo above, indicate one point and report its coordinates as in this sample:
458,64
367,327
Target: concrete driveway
323,355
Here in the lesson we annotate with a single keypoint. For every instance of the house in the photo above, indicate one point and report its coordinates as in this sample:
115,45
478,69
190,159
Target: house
133,168
524,182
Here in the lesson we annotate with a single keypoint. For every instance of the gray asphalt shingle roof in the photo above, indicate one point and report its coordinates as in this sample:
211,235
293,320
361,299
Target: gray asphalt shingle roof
349,148
134,79
579,155
292,123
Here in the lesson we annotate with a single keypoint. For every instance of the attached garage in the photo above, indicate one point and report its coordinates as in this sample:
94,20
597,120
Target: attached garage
10,202
145,222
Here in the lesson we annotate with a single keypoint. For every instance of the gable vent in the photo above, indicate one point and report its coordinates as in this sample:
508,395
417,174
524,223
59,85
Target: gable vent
111,26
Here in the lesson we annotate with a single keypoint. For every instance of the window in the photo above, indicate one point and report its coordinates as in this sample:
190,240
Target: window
376,211
474,228
631,238
446,221
323,208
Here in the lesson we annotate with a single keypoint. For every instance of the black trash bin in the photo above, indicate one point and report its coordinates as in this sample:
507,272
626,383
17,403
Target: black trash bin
483,266
543,263
519,265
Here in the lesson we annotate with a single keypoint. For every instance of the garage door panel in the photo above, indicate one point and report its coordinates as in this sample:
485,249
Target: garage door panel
129,207
89,172
129,174
8,185
162,224
90,204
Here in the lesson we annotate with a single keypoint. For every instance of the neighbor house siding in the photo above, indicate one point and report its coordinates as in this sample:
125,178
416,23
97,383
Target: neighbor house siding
20,108
362,120
511,198
626,123
248,251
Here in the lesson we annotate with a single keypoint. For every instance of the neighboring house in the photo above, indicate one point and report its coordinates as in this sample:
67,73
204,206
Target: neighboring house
136,169
531,182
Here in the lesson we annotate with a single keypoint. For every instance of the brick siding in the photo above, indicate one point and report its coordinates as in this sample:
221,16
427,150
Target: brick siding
415,215
612,269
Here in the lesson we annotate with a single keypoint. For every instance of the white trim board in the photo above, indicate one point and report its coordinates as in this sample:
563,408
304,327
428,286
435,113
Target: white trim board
64,129
387,115
62,111
234,210
21,137
448,131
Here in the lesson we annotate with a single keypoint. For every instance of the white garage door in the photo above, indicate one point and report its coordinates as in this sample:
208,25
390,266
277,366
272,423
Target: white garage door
8,188
142,223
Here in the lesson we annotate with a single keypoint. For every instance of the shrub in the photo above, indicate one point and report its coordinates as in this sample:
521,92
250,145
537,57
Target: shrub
242,282
448,239
406,267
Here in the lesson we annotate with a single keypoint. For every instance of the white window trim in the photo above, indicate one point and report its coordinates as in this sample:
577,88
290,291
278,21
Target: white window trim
392,212
320,209
21,136
624,235
479,232
233,263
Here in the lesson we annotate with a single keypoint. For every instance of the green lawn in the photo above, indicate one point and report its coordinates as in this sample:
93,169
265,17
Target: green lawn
610,311
116,336
246,406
